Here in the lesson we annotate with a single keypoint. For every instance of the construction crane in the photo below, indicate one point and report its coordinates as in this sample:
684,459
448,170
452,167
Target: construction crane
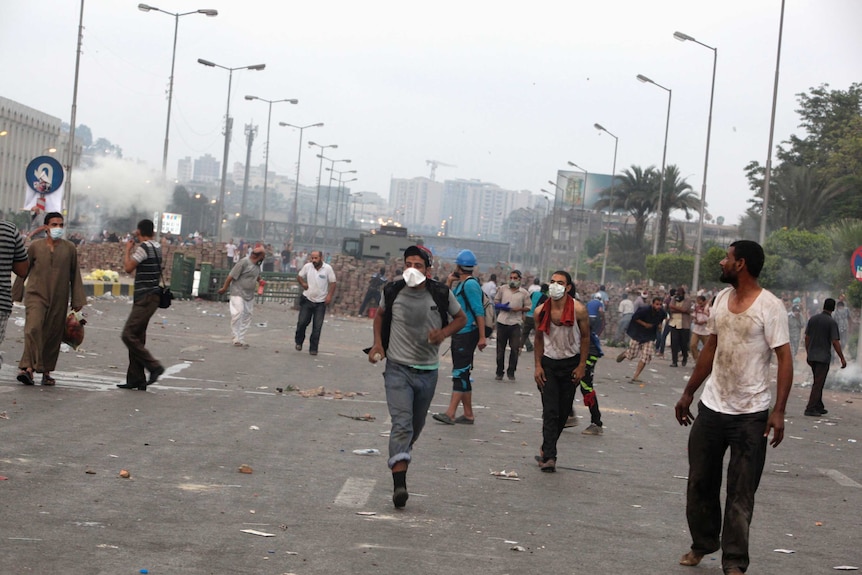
434,164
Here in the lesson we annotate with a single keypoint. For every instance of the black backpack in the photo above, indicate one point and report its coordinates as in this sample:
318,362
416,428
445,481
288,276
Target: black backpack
439,292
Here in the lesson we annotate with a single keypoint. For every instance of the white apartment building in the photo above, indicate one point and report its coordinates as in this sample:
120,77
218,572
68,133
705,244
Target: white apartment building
416,203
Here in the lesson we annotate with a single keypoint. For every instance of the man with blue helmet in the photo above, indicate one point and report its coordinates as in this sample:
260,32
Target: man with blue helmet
465,341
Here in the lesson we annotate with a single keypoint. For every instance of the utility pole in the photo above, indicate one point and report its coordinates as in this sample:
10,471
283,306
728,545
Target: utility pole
250,133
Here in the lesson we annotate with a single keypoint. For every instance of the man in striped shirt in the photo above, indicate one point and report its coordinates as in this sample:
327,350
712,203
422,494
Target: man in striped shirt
13,258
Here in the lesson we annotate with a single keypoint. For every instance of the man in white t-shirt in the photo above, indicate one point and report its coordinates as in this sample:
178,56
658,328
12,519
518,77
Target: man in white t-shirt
318,283
747,324
230,253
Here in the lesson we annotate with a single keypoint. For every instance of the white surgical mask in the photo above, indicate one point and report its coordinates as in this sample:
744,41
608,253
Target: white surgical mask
56,233
556,291
413,277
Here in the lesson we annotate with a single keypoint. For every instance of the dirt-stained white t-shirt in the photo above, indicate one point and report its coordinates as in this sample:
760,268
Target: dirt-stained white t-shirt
739,382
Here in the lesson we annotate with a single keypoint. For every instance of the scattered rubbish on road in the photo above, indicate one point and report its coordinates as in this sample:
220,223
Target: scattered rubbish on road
787,551
90,472
518,548
637,506
510,475
366,451
3,415
256,532
125,474
261,324
366,513
681,477
364,417
845,568
516,421
245,469
315,391
506,431
818,523
525,393
254,428
106,546
19,321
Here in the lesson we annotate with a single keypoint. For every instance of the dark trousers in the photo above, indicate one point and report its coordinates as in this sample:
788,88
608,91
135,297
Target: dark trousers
589,393
529,327
711,434
511,335
308,311
135,337
662,338
557,397
463,351
679,339
815,399
372,298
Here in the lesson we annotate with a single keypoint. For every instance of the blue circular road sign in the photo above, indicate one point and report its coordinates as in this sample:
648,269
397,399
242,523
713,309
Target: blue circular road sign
44,175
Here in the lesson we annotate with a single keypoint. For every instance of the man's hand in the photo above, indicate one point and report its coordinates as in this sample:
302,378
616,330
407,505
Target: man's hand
436,336
221,290
843,363
376,353
578,374
483,343
776,424
683,410
540,378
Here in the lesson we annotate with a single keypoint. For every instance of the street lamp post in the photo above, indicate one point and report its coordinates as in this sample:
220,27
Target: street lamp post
228,126
266,158
646,80
601,128
296,189
580,217
342,204
338,196
329,188
697,249
206,12
771,135
319,176
550,233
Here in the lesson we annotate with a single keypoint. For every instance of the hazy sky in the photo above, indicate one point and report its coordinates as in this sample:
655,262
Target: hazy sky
507,92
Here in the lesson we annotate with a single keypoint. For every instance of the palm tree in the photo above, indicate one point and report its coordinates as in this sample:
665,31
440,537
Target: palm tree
677,194
801,199
632,193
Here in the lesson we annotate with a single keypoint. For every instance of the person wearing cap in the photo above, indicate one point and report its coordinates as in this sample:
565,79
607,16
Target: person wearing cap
641,301
243,281
510,302
318,284
412,321
464,343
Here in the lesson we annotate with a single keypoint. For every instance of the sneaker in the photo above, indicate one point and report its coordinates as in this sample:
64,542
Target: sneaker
593,429
548,466
621,357
572,421
399,497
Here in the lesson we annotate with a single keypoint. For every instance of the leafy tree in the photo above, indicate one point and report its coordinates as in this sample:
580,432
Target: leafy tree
671,269
676,195
83,133
802,246
709,265
632,193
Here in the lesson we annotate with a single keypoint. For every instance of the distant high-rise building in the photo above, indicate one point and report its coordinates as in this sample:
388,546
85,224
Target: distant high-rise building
417,203
207,169
184,170
476,209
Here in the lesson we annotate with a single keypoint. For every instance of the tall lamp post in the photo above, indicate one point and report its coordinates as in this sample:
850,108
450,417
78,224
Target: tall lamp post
646,80
771,134
552,212
697,249
228,127
329,188
206,12
319,175
338,196
343,204
266,157
298,160
601,128
580,217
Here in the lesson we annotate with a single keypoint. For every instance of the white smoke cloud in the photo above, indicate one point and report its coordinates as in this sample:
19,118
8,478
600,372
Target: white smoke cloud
120,187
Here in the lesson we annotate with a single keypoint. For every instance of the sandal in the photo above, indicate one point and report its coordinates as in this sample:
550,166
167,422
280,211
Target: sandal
443,418
25,376
48,380
463,419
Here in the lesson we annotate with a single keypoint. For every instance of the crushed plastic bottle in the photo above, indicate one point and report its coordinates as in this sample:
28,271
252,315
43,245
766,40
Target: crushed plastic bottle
366,451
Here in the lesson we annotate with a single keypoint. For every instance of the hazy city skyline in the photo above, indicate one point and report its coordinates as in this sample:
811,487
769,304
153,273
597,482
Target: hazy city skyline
506,94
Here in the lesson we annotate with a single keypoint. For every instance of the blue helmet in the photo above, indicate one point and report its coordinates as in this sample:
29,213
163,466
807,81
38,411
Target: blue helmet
466,259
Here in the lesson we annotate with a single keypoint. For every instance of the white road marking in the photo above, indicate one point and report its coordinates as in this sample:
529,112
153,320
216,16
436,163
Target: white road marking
839,477
355,492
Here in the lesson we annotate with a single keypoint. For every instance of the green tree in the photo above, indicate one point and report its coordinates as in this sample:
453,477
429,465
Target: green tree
671,269
676,195
633,193
709,265
799,245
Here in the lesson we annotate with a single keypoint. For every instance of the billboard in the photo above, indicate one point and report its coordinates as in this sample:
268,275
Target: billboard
573,192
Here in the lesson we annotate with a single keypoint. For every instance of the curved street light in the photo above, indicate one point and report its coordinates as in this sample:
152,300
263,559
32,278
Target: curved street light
206,12
319,175
329,188
601,128
266,157
645,80
228,127
697,248
296,188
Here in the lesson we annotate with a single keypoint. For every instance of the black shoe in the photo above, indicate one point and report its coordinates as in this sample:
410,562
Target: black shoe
312,352
132,386
674,365
512,377
813,413
824,411
155,374
684,362
399,497
299,347
499,377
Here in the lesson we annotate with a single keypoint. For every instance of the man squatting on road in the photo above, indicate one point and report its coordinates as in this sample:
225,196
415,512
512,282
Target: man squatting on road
747,324
560,349
412,321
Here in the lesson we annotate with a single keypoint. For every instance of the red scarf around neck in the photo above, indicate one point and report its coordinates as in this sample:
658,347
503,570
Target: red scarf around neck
568,317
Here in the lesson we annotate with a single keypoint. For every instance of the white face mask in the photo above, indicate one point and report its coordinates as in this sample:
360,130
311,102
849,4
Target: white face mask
56,233
413,277
556,291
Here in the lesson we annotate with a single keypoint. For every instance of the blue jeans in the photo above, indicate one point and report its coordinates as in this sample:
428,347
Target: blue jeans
409,392
309,310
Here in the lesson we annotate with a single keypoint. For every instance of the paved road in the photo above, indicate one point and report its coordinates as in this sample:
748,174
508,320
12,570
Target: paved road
615,506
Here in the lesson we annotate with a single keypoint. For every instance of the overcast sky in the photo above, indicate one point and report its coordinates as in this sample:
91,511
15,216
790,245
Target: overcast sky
507,92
